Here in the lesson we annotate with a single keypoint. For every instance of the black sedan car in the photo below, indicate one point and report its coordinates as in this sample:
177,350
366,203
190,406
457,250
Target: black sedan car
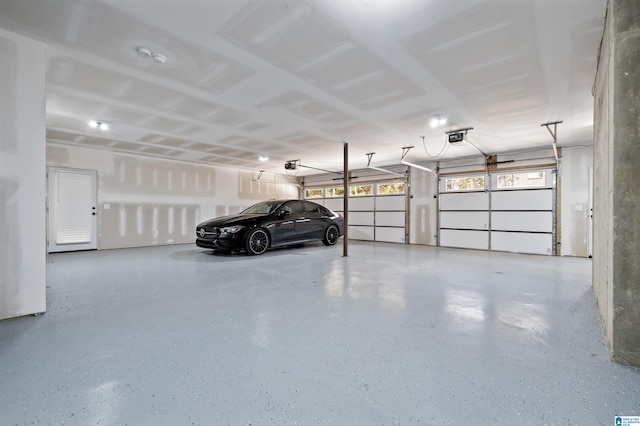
271,224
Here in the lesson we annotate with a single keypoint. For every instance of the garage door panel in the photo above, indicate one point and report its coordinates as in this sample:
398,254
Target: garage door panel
361,203
464,201
390,219
522,221
522,200
335,204
391,202
464,239
390,235
465,220
522,242
364,233
361,218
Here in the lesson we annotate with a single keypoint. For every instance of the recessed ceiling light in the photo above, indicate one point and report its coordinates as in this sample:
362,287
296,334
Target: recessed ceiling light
263,158
98,125
438,121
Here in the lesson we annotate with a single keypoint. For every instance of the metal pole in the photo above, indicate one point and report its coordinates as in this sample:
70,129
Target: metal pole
345,242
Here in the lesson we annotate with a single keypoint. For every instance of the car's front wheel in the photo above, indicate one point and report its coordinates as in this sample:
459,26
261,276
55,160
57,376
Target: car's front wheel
257,241
331,235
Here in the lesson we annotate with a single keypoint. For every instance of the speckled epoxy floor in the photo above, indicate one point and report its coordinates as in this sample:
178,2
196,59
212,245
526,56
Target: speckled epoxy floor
392,334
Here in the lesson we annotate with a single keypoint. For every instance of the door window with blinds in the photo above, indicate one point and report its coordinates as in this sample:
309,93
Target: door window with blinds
72,210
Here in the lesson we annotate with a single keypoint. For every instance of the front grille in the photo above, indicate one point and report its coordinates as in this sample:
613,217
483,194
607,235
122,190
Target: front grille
203,233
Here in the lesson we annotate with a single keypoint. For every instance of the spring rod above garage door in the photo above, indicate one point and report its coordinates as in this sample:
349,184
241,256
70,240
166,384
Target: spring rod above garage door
554,135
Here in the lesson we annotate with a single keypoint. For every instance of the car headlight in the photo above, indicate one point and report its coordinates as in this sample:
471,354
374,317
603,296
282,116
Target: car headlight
230,229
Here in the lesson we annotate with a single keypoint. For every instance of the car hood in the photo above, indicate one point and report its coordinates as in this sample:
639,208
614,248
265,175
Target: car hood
232,219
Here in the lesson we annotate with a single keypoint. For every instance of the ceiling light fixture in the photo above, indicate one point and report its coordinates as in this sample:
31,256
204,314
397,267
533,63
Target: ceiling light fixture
263,158
437,121
146,53
98,125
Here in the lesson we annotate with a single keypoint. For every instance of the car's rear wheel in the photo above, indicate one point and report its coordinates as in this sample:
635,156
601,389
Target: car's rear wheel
257,241
331,235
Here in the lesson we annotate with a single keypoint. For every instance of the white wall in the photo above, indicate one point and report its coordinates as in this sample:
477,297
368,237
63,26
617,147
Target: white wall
22,176
144,201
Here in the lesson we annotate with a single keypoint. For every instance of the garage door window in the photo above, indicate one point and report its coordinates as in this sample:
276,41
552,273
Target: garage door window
313,193
467,183
521,180
360,190
391,188
335,191
354,191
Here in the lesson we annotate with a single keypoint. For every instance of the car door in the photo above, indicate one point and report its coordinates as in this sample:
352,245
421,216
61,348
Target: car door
287,227
315,220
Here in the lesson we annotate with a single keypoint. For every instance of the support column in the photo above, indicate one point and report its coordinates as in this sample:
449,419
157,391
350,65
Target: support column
22,176
345,181
616,251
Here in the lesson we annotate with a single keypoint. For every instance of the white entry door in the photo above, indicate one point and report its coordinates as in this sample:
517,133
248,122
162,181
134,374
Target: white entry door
72,210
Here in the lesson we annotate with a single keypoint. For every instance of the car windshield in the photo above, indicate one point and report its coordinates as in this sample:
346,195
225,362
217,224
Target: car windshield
264,207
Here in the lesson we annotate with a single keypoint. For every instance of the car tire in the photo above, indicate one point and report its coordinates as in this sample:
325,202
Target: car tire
331,235
256,241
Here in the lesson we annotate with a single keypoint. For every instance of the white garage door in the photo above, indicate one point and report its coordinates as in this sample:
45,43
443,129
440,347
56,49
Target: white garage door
375,216
464,219
503,211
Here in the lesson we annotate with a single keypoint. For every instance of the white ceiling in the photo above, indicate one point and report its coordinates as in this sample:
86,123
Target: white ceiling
294,79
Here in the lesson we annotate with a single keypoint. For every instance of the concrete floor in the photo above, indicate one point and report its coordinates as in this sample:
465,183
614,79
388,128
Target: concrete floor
392,334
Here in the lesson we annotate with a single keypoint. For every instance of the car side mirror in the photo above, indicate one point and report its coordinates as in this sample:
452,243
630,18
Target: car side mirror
282,214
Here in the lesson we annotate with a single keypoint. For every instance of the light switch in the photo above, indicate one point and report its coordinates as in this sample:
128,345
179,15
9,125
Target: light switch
106,206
